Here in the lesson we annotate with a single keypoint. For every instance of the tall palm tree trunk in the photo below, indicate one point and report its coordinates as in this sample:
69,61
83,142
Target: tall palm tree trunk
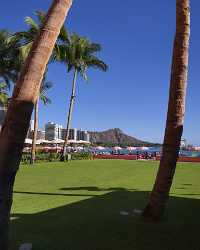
175,115
69,118
33,148
20,109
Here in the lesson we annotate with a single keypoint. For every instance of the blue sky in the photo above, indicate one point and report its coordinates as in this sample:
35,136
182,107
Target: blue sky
137,39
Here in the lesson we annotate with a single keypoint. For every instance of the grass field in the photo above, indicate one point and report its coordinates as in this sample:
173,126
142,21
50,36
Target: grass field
77,205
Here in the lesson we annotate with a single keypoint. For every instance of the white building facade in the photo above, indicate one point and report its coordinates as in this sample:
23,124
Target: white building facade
53,131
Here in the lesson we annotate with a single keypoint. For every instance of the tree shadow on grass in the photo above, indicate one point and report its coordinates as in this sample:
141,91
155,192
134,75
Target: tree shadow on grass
93,188
52,194
96,224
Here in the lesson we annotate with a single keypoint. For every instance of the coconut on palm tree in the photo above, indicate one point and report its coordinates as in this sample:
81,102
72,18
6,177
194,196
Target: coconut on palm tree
79,54
19,112
175,116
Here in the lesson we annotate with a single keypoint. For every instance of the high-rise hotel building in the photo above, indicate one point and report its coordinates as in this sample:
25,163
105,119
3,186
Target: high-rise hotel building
53,131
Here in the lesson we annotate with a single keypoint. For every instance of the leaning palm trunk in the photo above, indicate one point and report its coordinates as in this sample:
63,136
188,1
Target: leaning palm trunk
175,115
33,148
71,106
20,109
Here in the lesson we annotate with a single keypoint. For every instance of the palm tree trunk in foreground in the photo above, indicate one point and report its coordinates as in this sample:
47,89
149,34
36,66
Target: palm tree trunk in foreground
20,109
33,148
71,106
175,115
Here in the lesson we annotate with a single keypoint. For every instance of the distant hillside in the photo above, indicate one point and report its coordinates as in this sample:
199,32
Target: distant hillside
115,137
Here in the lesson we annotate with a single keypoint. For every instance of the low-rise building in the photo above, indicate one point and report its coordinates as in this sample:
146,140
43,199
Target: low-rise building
72,134
83,135
40,135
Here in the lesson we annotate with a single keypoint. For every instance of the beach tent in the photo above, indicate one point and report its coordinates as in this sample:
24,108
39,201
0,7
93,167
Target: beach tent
83,142
131,148
117,148
28,141
73,142
197,148
42,141
142,148
57,141
99,148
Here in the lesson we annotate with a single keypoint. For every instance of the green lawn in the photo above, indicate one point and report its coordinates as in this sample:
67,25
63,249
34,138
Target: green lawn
76,206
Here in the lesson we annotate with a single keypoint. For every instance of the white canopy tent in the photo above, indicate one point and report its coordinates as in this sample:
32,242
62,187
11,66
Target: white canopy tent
131,148
57,141
142,148
100,148
117,148
42,141
28,141
83,142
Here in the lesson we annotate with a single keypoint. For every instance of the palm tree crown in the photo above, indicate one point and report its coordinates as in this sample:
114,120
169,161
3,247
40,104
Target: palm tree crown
80,54
27,38
45,86
9,64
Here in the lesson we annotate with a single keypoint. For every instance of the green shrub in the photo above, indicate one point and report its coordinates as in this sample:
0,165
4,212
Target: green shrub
52,157
81,156
25,158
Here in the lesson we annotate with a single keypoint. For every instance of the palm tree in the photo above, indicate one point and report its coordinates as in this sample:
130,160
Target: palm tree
46,100
25,94
26,38
9,64
79,54
175,115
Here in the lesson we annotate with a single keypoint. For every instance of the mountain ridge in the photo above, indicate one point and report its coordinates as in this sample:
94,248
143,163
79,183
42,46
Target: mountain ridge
115,136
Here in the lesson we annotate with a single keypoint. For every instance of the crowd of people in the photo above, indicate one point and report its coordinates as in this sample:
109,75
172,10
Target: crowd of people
147,155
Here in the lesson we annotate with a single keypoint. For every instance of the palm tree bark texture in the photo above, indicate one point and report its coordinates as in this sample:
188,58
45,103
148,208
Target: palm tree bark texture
20,109
71,106
33,148
175,116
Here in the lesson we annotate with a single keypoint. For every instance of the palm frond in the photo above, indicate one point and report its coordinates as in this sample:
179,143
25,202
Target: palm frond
3,98
3,93
80,53
96,63
41,17
93,47
43,91
9,64
3,87
64,36
24,36
25,50
46,100
46,86
32,24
